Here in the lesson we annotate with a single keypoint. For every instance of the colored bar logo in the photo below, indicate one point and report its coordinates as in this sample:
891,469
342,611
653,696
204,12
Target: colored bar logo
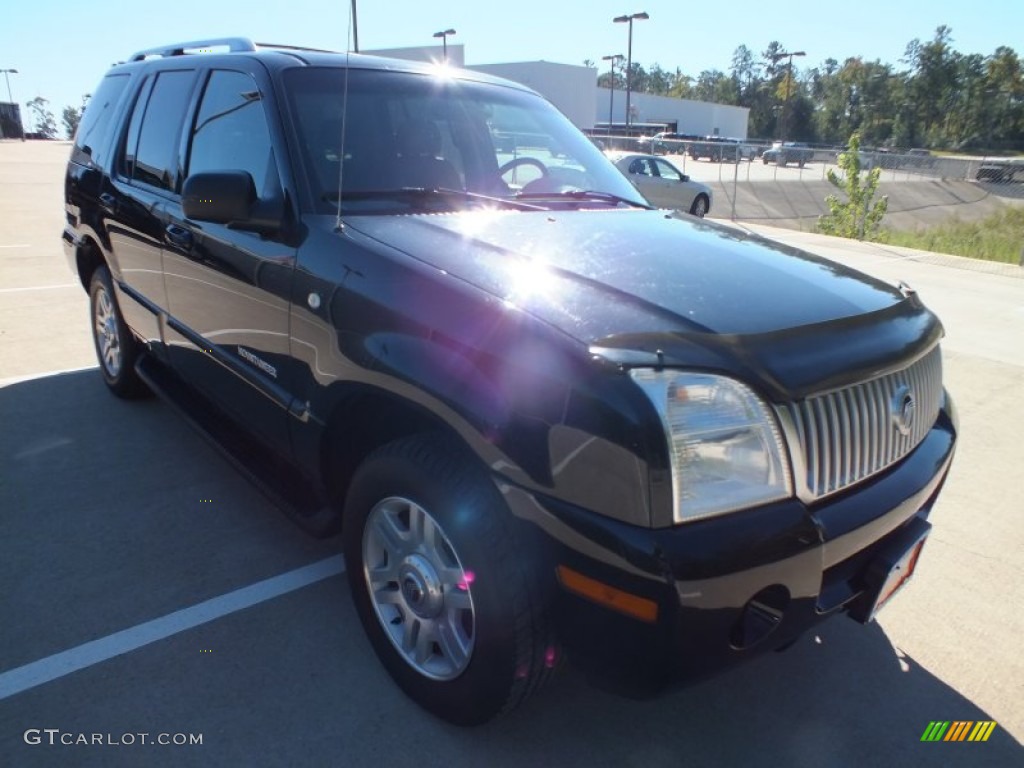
958,730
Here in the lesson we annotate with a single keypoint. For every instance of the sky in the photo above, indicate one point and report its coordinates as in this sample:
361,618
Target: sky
61,49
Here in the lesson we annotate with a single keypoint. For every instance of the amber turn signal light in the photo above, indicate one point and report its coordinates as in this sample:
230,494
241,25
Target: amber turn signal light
608,596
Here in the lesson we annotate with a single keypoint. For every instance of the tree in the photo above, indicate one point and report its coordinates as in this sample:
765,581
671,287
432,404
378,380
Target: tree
71,117
45,124
935,97
859,216
744,74
934,88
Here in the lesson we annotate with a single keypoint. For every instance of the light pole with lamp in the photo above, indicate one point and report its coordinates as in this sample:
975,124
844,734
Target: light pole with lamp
611,90
789,79
10,98
629,54
444,41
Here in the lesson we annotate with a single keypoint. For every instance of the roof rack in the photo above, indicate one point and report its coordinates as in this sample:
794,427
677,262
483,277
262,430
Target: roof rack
278,47
234,45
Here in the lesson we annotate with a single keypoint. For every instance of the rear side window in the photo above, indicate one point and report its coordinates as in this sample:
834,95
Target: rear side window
667,171
231,132
151,156
93,136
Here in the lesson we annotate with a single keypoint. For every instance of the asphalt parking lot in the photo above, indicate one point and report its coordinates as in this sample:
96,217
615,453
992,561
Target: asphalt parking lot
146,588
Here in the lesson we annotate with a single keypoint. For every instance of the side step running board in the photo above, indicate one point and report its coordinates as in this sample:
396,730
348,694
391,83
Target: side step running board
284,486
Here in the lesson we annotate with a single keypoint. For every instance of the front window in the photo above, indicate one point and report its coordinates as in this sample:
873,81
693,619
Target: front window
431,141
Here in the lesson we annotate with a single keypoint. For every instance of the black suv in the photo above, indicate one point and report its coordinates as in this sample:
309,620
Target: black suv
545,417
783,153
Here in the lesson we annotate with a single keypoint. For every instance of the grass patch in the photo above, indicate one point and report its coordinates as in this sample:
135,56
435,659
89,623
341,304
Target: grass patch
999,237
995,154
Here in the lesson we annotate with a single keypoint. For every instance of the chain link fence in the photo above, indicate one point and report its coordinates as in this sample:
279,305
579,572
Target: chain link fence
806,162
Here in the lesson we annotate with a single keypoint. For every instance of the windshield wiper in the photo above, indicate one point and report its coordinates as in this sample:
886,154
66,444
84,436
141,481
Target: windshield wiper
425,193
584,195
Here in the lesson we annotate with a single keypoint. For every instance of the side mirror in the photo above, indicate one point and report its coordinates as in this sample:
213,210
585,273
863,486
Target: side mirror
229,197
685,178
223,197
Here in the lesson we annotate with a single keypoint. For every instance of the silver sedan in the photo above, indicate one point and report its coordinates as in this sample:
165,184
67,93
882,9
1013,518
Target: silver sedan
662,183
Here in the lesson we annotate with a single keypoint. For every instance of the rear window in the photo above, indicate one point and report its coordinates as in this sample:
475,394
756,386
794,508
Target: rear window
152,155
92,140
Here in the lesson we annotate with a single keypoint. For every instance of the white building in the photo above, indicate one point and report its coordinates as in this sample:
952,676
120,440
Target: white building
570,88
700,118
573,89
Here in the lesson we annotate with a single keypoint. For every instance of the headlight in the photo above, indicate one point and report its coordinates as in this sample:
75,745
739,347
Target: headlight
725,446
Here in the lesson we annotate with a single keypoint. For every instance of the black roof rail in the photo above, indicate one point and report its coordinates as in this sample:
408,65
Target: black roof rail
234,45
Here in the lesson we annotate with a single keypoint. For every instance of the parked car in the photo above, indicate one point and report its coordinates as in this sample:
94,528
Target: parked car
920,158
667,143
721,149
784,153
662,184
999,172
547,419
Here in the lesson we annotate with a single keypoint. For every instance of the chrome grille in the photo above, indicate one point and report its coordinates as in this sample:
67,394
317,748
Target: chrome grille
849,434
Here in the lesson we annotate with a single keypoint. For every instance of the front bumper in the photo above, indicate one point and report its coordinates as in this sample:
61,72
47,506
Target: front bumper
732,587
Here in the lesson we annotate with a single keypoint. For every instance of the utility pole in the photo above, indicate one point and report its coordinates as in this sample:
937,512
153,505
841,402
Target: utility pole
629,55
611,91
789,79
444,41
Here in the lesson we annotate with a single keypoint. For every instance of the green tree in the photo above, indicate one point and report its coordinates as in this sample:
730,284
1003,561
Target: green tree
934,88
860,215
45,123
1003,97
744,72
71,116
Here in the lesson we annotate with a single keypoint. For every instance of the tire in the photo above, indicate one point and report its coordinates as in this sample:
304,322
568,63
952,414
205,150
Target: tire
802,162
452,607
764,159
116,347
700,206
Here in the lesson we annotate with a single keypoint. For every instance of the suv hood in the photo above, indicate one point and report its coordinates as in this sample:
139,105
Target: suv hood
632,280
597,273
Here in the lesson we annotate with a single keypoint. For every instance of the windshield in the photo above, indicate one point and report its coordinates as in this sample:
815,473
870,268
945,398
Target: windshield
473,144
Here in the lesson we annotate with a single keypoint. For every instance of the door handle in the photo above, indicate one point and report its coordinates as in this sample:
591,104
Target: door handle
178,236
108,202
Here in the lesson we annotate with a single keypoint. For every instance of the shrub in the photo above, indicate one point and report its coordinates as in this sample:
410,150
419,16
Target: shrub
860,215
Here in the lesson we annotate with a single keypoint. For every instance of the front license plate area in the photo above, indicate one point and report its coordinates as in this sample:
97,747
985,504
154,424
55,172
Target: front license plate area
890,569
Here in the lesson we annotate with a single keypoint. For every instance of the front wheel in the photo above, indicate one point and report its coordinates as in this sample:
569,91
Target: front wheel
700,206
452,608
116,347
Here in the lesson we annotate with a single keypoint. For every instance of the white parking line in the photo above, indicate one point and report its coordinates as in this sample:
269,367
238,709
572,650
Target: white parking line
96,651
19,245
41,287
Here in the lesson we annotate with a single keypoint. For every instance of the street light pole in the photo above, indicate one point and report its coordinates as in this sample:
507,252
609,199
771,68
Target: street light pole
10,98
444,41
789,80
629,55
611,91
